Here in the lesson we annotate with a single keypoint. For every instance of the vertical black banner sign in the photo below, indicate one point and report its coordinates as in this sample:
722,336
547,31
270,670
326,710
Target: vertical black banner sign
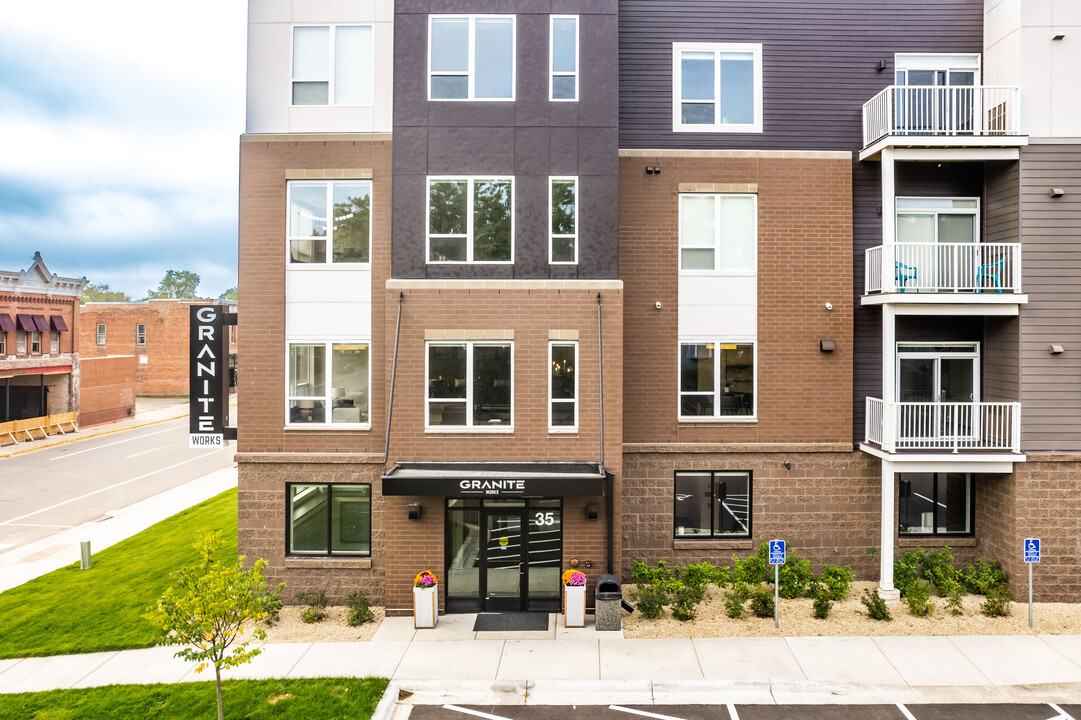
207,388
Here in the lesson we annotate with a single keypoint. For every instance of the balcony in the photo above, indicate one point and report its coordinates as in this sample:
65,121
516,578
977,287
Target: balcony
944,273
942,116
960,429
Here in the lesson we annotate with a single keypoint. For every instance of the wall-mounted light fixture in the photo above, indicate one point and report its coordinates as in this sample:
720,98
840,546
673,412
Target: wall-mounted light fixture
653,169
1055,349
787,464
593,511
1055,192
827,345
880,65
829,306
412,512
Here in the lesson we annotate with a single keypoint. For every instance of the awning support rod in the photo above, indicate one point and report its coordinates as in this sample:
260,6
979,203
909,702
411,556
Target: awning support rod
393,377
600,364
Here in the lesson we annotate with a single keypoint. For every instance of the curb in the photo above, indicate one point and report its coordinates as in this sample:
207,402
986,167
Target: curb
21,451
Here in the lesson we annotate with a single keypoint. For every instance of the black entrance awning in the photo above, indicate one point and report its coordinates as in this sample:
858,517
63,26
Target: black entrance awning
495,479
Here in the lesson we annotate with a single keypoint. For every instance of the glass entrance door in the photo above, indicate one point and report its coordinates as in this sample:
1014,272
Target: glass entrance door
937,386
504,561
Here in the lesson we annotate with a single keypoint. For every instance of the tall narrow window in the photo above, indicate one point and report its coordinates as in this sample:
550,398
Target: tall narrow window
101,334
35,342
717,232
347,238
716,379
470,220
563,386
54,342
20,342
140,334
471,57
716,87
470,385
563,221
563,85
332,65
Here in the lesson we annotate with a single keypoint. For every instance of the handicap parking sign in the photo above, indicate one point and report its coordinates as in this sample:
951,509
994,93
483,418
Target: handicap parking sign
1032,550
776,552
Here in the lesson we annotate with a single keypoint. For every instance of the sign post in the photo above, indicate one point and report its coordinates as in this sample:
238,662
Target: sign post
1032,555
776,559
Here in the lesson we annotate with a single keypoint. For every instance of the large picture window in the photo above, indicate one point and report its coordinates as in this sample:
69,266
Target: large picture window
470,220
935,504
563,386
332,65
471,57
718,233
716,379
470,385
563,220
329,519
716,87
712,504
328,383
346,237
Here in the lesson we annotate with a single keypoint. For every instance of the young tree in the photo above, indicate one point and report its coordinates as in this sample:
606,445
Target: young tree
176,284
100,292
220,598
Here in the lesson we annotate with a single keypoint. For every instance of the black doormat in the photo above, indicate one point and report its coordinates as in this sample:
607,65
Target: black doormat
494,622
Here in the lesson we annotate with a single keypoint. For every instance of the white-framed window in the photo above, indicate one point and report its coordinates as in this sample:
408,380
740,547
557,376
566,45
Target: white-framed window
140,334
938,220
470,385
332,64
314,240
563,220
20,342
717,87
919,69
471,57
35,342
470,219
3,343
718,232
563,58
54,342
717,379
562,386
101,334
328,383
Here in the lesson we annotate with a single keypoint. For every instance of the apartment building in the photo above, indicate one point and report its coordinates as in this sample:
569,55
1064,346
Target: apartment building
544,285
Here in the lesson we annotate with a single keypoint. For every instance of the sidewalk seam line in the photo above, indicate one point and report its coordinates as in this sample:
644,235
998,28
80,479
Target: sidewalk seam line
694,649
92,670
874,641
966,657
296,662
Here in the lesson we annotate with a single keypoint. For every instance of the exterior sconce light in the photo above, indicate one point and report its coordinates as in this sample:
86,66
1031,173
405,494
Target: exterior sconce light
1055,349
827,345
653,170
787,464
413,512
880,65
1056,192
593,511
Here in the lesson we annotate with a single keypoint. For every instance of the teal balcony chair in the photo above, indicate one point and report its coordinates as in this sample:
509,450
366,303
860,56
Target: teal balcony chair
992,272
903,273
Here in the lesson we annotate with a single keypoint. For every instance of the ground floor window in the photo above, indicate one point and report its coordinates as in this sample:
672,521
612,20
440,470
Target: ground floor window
329,519
936,504
713,504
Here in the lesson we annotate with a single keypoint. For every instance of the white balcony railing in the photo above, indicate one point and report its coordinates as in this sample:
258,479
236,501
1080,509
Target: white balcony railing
955,110
944,427
943,268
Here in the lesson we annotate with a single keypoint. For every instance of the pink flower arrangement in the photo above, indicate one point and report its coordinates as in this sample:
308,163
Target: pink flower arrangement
574,578
425,580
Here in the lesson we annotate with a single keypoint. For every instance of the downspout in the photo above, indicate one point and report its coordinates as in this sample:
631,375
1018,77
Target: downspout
600,364
393,377
609,486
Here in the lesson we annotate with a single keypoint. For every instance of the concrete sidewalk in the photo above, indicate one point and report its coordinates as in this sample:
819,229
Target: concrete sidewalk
454,665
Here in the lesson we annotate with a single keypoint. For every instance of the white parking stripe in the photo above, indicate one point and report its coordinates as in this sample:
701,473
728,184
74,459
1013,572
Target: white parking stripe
1062,714
643,713
905,712
732,714
475,713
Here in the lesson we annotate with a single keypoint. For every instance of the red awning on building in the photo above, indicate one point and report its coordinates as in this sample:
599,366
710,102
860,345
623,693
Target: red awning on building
41,323
6,323
18,372
58,323
25,323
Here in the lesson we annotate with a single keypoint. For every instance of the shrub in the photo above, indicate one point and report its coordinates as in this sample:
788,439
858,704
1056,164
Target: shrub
938,569
821,607
651,600
733,603
762,604
645,575
703,574
685,601
752,570
272,605
998,602
907,568
317,605
919,599
980,577
876,606
838,580
360,610
796,577
954,601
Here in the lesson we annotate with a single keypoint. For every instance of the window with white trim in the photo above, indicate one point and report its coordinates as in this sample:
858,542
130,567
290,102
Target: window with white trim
329,519
470,385
3,342
347,239
716,379
716,87
140,334
562,386
54,342
718,232
333,65
328,383
563,220
470,220
35,342
20,342
563,59
471,57
101,334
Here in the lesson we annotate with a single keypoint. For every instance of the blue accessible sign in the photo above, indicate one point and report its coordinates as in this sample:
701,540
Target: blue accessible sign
776,552
1032,550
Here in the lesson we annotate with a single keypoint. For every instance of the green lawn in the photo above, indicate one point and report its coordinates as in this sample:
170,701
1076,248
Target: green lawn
80,611
323,698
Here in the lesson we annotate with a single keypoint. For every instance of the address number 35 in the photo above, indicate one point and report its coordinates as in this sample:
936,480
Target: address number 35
544,518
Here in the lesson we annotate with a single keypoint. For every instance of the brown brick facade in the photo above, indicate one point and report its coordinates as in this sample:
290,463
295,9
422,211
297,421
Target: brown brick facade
107,392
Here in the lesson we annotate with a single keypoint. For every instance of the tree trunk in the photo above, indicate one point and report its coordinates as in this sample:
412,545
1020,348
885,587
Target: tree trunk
217,677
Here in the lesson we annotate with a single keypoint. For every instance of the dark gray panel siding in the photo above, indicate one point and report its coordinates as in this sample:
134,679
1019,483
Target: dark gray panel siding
819,62
1001,360
1051,236
1001,224
530,138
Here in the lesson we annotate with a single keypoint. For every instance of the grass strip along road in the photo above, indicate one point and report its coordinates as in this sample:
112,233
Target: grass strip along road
338,698
81,611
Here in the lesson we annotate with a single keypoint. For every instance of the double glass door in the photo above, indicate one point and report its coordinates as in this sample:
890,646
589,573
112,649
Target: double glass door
938,99
938,386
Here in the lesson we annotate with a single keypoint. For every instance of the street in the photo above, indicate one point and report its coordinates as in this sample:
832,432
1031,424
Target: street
1035,711
47,491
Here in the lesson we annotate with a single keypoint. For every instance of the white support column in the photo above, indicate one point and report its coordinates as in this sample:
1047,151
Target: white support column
889,223
889,378
886,591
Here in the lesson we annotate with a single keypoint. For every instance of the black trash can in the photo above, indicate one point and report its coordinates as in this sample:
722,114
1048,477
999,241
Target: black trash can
608,599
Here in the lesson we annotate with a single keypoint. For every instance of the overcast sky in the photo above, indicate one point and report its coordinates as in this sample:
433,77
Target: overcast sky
119,138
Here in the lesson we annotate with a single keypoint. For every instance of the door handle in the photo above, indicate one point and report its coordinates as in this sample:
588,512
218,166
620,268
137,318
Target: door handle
521,570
